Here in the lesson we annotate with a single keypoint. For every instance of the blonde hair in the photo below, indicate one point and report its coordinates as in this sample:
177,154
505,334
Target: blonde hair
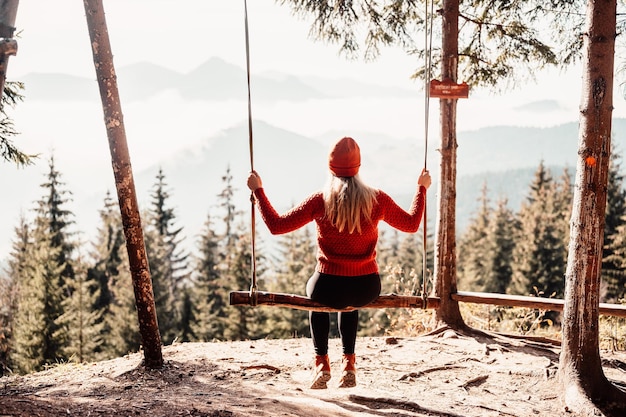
347,200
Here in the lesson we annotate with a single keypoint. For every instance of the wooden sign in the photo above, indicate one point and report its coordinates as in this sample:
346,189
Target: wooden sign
448,89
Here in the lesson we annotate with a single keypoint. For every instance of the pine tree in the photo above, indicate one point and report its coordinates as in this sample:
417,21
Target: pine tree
121,320
38,336
55,219
160,271
50,269
294,265
613,262
500,244
615,278
539,254
209,303
474,251
82,320
111,274
227,204
168,262
108,250
9,291
243,322
234,269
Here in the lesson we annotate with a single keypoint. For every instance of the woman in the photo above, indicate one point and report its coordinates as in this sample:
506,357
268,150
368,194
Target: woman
346,276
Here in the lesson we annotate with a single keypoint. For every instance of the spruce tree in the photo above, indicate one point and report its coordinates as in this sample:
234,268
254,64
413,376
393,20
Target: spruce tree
613,263
243,322
40,336
54,219
110,272
121,320
209,302
160,271
614,290
168,261
539,254
105,263
563,206
294,264
107,251
474,251
9,290
82,320
500,243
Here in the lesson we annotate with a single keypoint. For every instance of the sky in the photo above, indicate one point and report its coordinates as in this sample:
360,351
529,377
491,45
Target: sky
183,34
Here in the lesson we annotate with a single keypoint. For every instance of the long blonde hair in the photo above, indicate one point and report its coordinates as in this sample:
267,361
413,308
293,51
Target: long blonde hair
347,200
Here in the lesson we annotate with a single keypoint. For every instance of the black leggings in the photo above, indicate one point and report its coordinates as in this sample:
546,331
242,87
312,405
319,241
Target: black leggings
339,292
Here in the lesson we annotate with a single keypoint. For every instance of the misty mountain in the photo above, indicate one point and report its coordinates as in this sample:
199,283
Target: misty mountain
292,166
213,80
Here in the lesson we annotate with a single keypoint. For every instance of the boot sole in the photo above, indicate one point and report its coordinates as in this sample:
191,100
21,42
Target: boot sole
320,380
348,380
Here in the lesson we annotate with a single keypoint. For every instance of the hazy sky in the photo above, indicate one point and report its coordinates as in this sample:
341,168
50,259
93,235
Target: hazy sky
183,34
179,35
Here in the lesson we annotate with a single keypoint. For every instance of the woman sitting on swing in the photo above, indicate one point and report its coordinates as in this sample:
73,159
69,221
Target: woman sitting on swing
346,213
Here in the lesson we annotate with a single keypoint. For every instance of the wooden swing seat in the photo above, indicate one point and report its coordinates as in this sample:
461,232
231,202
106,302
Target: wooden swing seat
298,302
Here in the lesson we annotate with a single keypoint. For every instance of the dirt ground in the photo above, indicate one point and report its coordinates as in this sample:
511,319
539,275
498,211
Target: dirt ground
442,375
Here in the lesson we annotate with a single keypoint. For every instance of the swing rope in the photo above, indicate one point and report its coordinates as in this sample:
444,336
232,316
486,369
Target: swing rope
253,286
427,77
428,42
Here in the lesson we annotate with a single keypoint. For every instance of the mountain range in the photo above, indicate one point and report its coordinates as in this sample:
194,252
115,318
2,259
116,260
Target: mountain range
291,164
214,80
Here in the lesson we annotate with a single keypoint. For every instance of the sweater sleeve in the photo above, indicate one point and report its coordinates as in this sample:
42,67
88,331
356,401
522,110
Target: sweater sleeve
293,219
400,219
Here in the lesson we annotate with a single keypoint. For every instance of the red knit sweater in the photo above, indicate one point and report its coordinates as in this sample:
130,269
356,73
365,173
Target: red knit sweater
342,253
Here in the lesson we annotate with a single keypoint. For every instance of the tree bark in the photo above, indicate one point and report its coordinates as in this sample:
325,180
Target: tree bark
445,252
8,13
586,389
124,182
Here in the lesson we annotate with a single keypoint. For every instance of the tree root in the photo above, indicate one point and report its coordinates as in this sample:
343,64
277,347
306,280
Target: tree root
381,402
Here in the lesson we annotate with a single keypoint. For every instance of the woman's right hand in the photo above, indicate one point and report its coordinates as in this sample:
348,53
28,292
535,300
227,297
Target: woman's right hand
254,181
424,179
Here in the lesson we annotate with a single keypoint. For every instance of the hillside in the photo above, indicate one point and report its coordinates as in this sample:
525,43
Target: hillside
447,375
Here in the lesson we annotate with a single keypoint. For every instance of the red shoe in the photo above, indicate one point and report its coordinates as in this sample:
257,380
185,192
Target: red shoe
348,371
322,372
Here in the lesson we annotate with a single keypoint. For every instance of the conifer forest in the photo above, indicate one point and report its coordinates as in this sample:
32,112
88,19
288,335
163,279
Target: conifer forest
63,299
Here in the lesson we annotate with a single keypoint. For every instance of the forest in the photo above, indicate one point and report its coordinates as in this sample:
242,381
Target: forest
63,299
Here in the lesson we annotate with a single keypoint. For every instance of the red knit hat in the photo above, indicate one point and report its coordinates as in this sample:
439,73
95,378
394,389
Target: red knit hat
345,158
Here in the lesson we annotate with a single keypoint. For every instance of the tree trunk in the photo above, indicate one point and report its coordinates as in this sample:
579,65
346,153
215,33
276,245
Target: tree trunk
8,45
586,389
124,182
445,253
